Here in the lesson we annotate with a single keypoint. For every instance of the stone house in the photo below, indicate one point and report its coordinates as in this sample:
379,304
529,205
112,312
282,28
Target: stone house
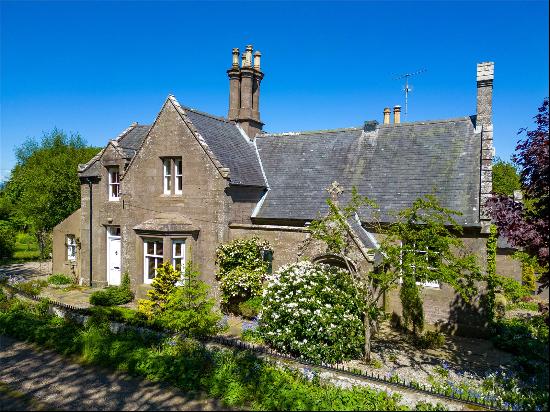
176,189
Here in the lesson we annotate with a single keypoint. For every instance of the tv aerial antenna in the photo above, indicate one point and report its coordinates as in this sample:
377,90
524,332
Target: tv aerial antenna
408,88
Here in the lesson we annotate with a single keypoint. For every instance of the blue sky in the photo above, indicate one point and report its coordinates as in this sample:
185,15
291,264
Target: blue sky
96,67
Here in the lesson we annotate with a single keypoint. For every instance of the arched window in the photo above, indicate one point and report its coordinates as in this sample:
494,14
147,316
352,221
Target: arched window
336,260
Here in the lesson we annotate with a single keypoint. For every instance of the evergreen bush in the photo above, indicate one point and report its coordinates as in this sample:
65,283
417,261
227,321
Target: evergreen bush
188,308
114,295
163,284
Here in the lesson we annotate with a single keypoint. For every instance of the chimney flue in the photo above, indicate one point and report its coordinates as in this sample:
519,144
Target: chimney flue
234,74
485,76
387,112
397,114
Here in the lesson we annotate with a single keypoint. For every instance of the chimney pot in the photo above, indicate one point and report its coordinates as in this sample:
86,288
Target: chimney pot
257,57
248,55
236,57
387,112
397,114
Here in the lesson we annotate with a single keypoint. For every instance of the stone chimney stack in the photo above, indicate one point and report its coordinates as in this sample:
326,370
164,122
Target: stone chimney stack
484,125
485,76
387,112
397,114
244,91
234,74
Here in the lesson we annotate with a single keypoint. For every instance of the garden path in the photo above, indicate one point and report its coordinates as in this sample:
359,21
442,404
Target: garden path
54,381
26,270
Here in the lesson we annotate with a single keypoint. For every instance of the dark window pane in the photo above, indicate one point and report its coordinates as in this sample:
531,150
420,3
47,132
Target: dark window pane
151,268
159,248
150,248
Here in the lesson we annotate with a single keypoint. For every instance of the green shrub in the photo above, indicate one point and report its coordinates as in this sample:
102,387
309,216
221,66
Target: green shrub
59,279
512,289
312,310
251,308
429,340
252,336
7,240
242,267
114,295
110,296
522,336
163,284
188,308
240,284
32,287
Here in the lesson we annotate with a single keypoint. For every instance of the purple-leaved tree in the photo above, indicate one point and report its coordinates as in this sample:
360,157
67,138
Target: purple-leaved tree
526,224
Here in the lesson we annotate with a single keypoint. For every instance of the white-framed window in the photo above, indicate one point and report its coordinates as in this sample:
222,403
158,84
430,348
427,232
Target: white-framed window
178,254
178,189
172,175
167,167
114,183
178,257
153,258
71,247
429,255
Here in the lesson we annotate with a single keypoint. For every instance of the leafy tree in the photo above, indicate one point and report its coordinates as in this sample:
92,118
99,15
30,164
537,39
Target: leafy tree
7,240
421,245
526,224
44,187
506,178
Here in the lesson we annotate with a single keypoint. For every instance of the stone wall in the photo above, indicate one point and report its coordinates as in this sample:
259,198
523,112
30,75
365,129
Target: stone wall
60,263
204,201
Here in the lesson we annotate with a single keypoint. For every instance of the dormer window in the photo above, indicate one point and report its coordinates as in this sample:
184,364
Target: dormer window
114,183
172,174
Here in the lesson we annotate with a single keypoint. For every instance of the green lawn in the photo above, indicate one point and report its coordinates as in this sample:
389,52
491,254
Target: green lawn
26,247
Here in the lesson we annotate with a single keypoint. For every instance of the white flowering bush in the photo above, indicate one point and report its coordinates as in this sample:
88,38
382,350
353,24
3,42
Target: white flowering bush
312,311
241,283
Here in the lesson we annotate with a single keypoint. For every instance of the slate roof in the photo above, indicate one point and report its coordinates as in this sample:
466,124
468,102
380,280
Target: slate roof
230,147
128,142
131,141
392,165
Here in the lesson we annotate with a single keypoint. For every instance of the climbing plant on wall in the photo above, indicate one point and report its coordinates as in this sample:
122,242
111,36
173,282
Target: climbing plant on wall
242,265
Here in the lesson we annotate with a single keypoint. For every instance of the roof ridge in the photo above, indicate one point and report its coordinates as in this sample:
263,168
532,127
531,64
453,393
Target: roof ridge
82,167
452,119
220,118
341,129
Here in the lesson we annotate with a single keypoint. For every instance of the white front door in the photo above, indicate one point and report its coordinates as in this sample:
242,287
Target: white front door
113,254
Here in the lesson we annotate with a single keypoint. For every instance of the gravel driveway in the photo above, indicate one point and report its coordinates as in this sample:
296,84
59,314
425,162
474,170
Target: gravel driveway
54,381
